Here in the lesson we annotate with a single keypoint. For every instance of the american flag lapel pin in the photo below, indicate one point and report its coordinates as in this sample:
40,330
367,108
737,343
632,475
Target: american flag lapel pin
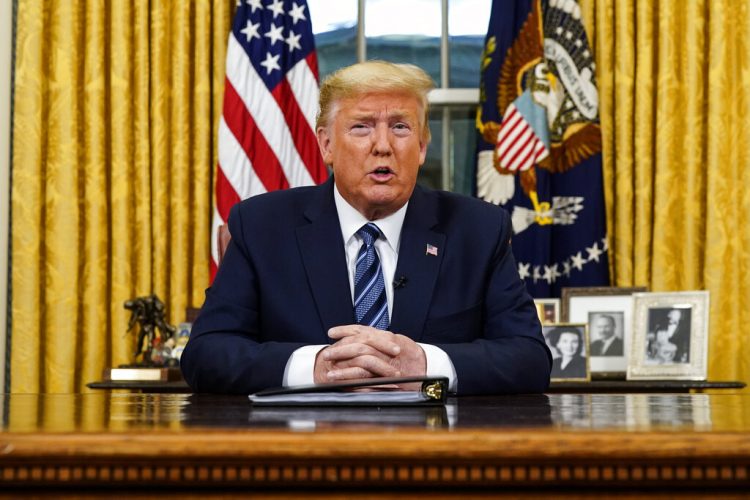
431,250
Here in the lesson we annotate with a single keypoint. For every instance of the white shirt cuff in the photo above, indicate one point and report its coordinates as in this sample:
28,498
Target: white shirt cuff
440,365
301,366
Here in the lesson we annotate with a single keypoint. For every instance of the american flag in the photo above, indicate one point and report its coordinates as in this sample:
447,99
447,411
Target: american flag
518,146
267,129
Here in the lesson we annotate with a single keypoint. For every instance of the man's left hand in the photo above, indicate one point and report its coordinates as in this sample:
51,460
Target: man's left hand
363,351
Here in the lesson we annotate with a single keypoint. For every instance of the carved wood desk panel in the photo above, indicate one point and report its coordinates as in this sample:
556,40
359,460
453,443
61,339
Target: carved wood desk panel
604,442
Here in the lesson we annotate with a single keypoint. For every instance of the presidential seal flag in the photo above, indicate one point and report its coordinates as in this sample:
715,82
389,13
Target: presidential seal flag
267,129
539,142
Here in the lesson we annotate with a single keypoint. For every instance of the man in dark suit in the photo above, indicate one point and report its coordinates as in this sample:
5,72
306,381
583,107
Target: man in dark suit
368,275
607,343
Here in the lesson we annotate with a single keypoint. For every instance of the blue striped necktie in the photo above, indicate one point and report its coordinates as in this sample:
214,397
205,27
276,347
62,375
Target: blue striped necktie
370,303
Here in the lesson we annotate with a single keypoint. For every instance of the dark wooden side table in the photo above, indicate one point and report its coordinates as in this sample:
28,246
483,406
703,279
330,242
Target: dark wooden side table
641,386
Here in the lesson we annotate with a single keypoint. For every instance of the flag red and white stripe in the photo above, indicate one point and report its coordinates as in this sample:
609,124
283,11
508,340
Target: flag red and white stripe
267,129
518,146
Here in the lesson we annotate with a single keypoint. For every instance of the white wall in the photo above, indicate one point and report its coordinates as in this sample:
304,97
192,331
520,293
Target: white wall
6,45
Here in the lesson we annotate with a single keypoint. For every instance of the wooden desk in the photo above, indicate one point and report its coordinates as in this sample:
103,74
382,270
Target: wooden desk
596,386
489,445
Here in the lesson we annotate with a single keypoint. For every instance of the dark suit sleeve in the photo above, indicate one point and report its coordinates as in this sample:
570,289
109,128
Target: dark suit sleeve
226,353
510,355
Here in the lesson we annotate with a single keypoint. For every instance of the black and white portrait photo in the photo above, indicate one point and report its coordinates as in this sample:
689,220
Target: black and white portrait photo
606,331
567,343
668,337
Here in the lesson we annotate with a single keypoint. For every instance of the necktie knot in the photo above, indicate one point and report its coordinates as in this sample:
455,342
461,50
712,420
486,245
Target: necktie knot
369,233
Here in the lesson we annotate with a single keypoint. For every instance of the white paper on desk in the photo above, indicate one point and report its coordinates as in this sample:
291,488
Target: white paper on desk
369,398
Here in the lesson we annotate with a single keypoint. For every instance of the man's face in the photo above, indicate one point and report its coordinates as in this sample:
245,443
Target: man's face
374,146
604,327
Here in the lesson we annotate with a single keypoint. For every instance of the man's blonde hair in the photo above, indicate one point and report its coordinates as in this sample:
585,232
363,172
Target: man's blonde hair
374,77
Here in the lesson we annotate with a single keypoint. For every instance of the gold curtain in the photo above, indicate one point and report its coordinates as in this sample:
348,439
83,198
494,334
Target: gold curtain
116,107
675,95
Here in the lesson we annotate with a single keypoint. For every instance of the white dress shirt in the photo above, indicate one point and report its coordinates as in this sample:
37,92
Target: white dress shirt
299,368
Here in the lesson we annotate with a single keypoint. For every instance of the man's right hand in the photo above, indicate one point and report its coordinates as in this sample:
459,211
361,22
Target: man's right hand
364,352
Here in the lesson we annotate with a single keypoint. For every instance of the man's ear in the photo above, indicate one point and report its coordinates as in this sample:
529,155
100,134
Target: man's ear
324,143
422,152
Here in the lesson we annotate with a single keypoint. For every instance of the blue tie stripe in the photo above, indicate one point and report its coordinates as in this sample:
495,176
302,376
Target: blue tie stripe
369,283
370,304
377,314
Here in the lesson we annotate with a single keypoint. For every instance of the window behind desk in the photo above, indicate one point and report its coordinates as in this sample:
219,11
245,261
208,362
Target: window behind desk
443,37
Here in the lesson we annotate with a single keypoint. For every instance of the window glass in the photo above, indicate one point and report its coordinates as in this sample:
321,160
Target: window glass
405,31
467,27
409,31
460,163
334,24
463,148
431,173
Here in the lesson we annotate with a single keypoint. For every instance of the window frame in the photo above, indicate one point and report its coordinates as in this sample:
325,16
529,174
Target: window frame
443,98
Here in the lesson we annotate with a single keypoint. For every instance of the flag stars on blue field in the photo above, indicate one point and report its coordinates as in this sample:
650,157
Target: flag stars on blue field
255,4
277,7
566,269
551,273
251,31
578,261
297,12
270,28
274,34
271,63
523,270
293,41
594,252
537,274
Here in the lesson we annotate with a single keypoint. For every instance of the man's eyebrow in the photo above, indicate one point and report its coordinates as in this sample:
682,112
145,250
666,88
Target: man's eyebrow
363,116
396,114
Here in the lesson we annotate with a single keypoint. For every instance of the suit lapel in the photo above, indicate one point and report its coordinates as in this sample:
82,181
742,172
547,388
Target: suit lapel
419,266
322,250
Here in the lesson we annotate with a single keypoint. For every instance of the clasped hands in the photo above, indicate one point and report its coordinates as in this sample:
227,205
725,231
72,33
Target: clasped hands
364,352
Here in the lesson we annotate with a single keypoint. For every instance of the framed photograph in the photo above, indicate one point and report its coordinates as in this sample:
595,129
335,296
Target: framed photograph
548,310
568,343
608,312
670,336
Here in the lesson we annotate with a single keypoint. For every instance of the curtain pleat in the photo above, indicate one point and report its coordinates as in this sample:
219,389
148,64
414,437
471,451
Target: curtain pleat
115,119
94,215
27,193
727,210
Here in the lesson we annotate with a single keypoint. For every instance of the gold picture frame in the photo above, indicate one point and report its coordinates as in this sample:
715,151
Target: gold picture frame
548,310
576,367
